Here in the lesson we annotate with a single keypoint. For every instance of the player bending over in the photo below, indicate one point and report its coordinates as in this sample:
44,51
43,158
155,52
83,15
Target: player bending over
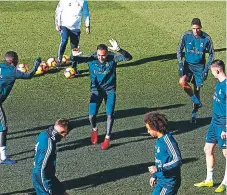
8,75
43,174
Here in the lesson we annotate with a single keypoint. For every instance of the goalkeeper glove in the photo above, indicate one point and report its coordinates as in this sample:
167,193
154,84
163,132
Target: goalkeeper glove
115,46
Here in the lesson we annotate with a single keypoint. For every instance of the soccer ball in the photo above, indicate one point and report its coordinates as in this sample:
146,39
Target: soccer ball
22,67
39,71
52,62
69,73
44,66
65,59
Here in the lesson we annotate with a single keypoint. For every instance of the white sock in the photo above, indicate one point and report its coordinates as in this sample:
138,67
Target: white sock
95,129
2,153
210,174
225,179
107,137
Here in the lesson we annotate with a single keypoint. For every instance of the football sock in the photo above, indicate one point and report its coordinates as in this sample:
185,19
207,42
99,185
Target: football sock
2,153
92,119
225,179
195,99
210,174
109,124
107,137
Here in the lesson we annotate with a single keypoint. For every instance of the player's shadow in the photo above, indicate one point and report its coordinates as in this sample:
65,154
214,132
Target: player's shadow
175,127
161,58
82,121
119,114
178,127
104,177
112,175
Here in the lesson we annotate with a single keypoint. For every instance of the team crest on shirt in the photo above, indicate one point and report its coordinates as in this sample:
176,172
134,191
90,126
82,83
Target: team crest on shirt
158,149
201,44
219,92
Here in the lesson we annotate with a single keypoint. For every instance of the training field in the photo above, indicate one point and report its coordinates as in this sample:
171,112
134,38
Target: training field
150,31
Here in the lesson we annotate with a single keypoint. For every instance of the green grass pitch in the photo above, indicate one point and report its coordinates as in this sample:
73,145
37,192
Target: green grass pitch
150,31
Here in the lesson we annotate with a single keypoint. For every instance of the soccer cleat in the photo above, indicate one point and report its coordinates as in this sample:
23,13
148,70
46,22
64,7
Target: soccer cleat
77,72
106,144
196,107
94,137
204,184
193,120
8,161
220,188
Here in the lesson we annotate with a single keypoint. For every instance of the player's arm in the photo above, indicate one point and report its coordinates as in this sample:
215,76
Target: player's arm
42,157
123,56
86,16
210,49
82,59
180,49
58,13
28,75
174,153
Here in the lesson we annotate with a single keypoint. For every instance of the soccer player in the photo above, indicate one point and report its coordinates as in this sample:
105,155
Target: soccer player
102,67
216,133
166,173
43,174
68,20
196,43
8,75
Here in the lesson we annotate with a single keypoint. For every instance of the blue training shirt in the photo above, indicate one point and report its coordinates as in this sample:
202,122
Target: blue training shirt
195,49
167,159
219,101
8,75
45,160
103,75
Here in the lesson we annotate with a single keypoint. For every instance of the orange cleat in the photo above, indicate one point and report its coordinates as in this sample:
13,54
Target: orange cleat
94,137
106,144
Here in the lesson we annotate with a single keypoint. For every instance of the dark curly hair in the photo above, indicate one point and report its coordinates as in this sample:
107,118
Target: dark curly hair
157,121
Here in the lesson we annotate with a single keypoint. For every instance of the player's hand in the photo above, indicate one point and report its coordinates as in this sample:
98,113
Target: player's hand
58,28
76,51
152,181
115,46
37,62
223,135
152,169
88,30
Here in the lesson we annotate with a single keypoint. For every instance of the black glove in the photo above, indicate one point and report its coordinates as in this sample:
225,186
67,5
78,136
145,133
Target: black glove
204,75
37,63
